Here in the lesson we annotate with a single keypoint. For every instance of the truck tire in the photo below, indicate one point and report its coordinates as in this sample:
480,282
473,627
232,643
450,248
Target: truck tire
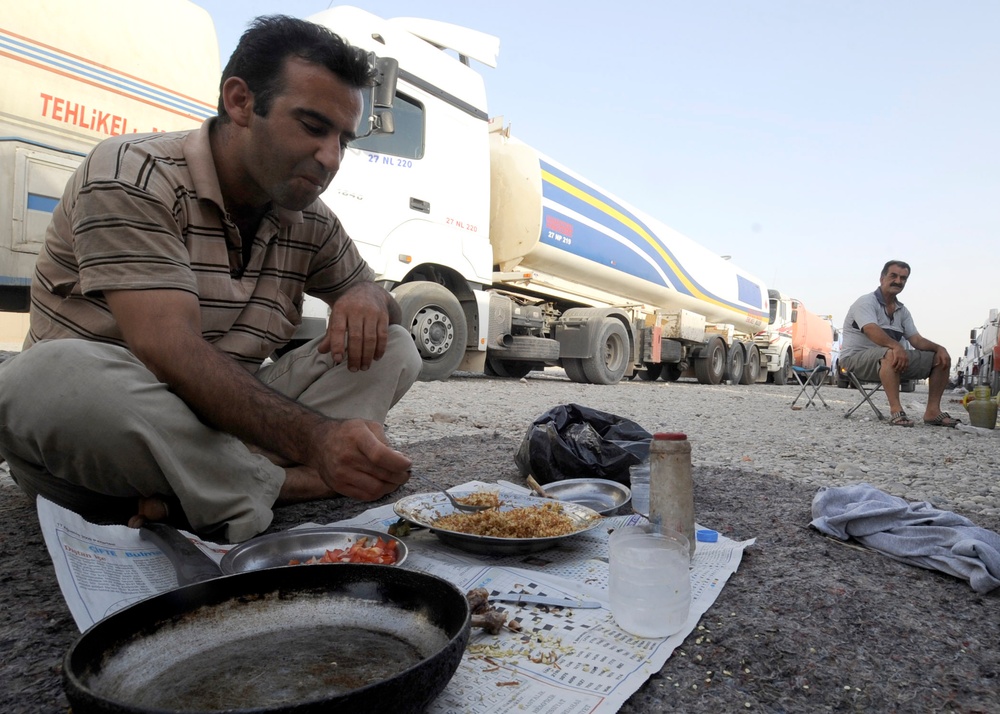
735,361
651,373
751,366
509,368
710,366
784,372
574,370
671,372
609,353
437,325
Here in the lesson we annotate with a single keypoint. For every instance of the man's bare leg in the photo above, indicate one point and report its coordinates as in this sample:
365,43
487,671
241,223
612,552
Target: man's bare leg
936,384
149,509
890,384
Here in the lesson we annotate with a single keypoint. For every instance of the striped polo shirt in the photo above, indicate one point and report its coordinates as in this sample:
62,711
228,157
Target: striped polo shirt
145,211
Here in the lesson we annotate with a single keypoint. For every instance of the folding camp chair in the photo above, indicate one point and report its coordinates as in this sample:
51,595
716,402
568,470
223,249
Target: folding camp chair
866,395
815,378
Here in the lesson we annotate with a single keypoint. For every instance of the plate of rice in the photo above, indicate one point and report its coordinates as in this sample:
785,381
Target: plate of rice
513,524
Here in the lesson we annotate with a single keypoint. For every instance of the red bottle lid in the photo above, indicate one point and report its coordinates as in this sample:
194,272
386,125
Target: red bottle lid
670,436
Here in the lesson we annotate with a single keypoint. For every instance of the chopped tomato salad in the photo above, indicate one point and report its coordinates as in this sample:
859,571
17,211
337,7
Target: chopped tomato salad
382,552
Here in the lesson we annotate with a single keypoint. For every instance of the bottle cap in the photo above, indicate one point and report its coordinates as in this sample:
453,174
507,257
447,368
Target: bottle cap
707,536
670,436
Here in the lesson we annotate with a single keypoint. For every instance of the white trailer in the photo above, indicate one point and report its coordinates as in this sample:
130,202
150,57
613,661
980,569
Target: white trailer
75,73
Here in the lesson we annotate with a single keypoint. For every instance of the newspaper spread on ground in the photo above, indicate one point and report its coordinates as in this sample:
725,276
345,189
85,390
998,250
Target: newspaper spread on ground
569,660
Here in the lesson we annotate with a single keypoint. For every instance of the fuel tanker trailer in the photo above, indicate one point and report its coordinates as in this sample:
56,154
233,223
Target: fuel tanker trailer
504,260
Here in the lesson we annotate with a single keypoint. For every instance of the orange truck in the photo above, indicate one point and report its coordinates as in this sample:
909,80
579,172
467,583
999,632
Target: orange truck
794,337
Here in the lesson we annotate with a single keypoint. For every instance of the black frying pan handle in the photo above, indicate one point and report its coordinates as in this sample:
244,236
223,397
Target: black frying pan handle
191,565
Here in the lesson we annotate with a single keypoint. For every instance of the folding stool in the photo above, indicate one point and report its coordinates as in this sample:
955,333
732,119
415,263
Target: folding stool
815,378
866,395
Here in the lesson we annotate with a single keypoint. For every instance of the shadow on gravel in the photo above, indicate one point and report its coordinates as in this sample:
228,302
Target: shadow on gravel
807,624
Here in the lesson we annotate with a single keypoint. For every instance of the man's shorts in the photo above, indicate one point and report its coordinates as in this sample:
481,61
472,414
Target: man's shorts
865,364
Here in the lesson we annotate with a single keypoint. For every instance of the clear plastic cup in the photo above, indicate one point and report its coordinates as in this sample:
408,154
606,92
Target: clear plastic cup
650,586
639,483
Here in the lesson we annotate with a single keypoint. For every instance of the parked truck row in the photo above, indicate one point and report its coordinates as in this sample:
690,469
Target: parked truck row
501,258
981,361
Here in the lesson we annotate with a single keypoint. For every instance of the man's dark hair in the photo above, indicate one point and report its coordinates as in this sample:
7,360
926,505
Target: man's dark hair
901,264
259,58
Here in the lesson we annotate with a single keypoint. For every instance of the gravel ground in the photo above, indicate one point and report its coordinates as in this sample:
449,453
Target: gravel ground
745,428
807,624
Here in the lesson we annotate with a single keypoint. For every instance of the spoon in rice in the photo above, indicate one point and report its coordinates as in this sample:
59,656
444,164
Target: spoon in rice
459,506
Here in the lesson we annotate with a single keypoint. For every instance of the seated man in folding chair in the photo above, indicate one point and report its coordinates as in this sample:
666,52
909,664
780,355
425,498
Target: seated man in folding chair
874,329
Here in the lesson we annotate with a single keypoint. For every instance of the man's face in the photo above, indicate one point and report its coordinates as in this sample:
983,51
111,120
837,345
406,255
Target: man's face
893,282
295,151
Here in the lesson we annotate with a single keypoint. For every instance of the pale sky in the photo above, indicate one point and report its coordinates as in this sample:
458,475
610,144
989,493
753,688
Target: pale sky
810,140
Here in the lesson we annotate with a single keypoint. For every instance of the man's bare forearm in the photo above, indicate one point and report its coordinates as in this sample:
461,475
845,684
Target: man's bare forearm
228,398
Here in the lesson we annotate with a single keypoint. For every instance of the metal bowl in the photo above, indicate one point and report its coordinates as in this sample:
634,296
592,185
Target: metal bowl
425,508
277,549
601,495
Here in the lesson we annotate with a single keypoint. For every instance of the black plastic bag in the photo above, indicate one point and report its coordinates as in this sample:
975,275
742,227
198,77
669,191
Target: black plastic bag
572,441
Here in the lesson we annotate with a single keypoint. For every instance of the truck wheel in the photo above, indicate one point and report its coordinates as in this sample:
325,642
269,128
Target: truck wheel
751,367
574,370
784,372
651,373
671,372
509,368
735,361
609,353
437,325
710,367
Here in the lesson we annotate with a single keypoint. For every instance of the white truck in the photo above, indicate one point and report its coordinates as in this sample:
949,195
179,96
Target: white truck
503,259
795,337
78,72
982,356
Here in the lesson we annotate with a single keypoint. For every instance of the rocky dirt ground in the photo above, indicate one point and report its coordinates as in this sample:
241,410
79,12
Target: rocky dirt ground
807,624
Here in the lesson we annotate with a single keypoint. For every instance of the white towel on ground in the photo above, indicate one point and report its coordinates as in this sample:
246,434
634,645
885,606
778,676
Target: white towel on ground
911,532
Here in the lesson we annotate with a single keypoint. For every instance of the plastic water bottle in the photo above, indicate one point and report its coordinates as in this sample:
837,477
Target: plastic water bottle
639,483
671,488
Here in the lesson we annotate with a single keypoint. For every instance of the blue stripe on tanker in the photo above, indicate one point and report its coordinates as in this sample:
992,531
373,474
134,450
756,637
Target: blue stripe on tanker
598,247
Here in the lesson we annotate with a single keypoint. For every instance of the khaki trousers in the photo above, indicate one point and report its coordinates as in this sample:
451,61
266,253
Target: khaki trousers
86,425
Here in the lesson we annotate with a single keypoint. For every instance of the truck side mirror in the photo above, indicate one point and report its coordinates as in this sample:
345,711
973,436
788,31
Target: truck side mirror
385,89
381,96
795,315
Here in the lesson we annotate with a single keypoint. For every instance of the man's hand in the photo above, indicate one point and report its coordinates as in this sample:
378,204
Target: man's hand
354,459
898,358
358,327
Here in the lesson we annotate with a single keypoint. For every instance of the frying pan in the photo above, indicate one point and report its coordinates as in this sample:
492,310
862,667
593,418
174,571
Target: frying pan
319,638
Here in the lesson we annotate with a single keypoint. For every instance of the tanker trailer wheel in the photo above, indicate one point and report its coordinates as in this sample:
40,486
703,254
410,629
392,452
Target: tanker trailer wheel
651,373
609,353
574,369
437,325
751,367
735,361
710,367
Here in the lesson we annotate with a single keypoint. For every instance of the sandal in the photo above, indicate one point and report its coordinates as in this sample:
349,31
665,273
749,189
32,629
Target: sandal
943,419
899,419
